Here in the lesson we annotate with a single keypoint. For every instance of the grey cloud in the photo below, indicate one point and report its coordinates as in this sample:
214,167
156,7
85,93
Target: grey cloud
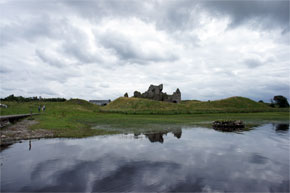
79,52
105,7
253,63
185,14
258,159
61,76
265,90
278,86
8,89
59,33
265,14
50,60
177,15
35,90
167,15
73,44
4,69
29,29
131,51
104,85
44,91
76,45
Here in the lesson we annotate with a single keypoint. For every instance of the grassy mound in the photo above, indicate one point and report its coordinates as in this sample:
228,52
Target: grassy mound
146,106
138,104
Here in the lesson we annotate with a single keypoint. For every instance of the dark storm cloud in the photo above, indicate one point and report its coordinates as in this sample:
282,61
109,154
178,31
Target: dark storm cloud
265,14
172,15
167,15
184,14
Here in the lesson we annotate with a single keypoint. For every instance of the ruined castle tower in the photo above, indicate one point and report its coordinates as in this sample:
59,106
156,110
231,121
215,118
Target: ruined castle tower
155,93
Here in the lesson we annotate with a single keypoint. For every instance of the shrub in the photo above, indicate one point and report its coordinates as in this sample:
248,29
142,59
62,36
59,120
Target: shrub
281,101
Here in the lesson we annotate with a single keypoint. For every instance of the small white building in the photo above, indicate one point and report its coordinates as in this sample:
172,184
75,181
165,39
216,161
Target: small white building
100,102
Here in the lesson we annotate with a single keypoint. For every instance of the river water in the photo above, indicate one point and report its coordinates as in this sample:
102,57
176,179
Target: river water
187,160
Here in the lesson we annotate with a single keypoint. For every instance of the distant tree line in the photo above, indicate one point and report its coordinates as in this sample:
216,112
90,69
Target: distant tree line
30,99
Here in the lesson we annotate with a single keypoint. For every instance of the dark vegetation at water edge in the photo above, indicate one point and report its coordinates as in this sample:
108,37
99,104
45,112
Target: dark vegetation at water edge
228,126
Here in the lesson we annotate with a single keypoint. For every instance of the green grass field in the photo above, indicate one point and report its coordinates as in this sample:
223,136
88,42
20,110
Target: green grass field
79,118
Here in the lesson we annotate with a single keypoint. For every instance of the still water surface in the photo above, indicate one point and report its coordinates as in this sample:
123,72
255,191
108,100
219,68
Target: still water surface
186,160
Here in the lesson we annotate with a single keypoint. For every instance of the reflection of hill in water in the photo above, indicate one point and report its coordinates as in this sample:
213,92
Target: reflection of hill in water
158,137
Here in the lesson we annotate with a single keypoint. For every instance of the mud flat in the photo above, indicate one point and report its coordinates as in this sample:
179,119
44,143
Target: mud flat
20,131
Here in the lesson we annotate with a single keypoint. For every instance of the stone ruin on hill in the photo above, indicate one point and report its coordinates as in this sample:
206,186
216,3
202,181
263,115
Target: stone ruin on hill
155,93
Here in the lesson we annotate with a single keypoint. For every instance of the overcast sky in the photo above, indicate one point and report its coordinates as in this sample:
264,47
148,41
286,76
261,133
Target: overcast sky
102,49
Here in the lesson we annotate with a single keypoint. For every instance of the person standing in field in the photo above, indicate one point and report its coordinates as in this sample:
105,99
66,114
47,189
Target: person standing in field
39,108
43,108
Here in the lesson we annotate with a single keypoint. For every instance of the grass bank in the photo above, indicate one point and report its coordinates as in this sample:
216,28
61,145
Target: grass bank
146,106
78,118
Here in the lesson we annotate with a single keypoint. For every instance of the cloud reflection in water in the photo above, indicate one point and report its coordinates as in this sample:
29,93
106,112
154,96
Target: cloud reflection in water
201,160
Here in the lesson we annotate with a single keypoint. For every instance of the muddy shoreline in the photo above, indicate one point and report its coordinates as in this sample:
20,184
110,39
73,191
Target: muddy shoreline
21,131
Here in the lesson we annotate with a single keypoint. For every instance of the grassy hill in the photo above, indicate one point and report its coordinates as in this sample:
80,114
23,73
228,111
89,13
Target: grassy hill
146,106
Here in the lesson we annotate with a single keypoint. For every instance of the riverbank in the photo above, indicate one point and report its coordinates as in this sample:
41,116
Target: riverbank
21,130
79,118
47,125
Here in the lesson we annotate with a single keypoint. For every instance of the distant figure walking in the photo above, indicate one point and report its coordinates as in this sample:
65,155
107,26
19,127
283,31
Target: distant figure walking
43,108
39,108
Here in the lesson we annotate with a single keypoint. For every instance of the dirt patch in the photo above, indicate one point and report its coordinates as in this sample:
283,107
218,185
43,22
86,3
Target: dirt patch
20,130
